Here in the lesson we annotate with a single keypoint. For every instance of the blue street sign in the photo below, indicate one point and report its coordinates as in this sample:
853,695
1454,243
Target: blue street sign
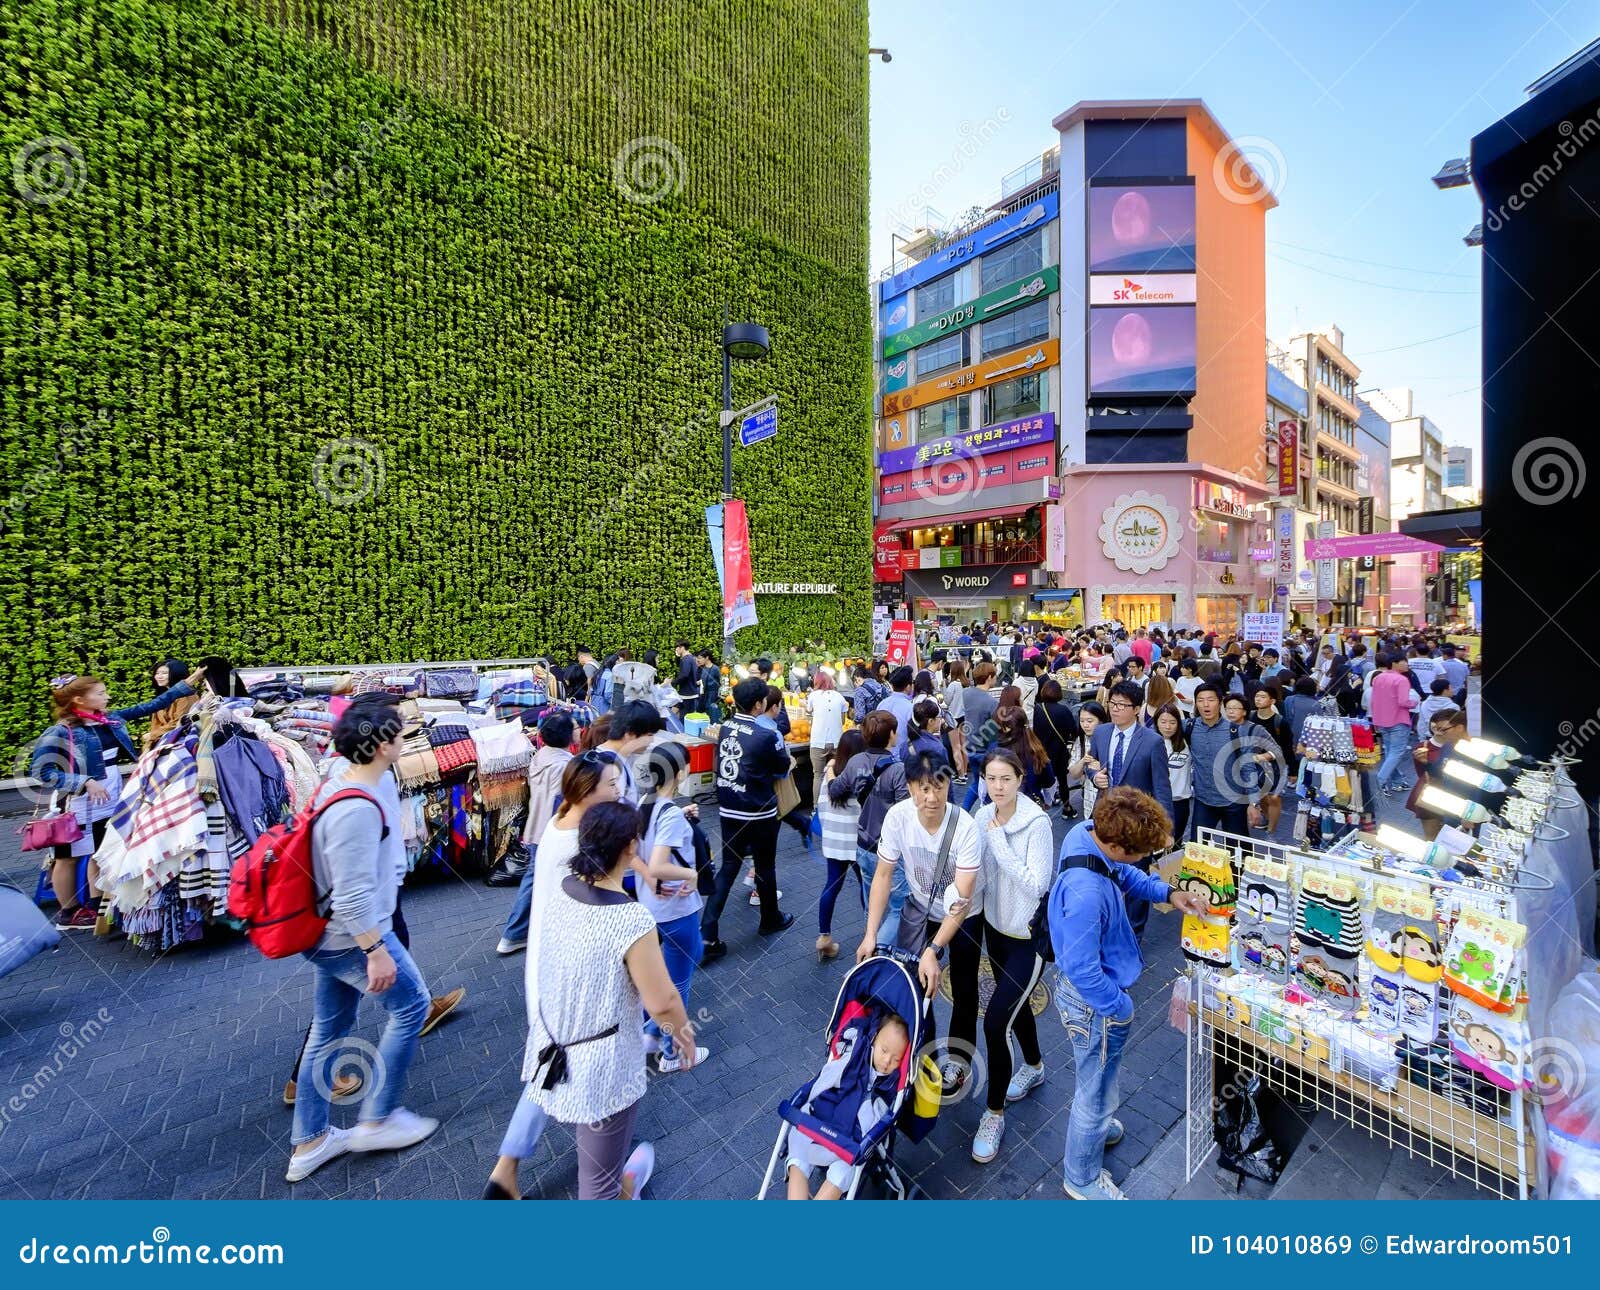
759,426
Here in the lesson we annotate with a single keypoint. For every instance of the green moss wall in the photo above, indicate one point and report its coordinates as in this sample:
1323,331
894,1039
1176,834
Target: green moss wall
339,333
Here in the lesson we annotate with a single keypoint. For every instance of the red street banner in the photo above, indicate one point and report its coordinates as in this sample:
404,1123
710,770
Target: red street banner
1288,458
738,592
902,648
1345,548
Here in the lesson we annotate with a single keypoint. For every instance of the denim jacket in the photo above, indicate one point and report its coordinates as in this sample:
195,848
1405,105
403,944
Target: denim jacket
51,758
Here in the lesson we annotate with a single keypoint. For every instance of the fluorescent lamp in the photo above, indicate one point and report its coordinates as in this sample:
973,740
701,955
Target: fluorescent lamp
1468,812
1407,844
1473,776
1494,756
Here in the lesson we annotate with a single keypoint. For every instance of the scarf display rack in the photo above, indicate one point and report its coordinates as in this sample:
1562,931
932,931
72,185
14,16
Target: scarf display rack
1408,1001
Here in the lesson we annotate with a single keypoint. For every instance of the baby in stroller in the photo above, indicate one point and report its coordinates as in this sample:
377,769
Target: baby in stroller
840,1082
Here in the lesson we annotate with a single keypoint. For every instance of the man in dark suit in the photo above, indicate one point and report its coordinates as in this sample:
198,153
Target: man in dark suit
1132,756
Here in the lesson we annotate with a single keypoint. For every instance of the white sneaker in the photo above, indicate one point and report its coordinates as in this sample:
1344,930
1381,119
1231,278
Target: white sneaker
669,1064
511,947
641,1164
305,1163
986,1142
1101,1189
755,897
399,1130
1023,1081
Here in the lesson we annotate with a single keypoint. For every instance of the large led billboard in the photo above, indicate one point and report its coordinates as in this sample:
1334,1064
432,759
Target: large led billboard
1141,228
1148,349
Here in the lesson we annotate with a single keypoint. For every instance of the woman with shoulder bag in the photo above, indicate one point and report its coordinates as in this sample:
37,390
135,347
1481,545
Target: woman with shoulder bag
1018,864
1056,727
78,757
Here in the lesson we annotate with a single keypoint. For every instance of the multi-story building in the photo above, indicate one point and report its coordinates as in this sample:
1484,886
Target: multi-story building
1318,361
1371,572
1071,390
1457,466
1416,467
1294,589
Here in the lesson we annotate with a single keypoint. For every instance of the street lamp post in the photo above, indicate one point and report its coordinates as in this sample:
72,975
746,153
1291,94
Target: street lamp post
744,341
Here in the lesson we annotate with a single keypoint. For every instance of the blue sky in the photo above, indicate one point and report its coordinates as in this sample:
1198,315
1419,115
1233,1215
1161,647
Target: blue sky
1353,105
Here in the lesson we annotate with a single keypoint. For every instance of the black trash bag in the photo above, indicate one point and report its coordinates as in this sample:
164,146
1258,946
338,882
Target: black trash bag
1244,1144
508,870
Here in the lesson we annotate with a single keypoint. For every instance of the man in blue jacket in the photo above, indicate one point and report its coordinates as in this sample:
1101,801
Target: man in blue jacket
1131,755
1097,962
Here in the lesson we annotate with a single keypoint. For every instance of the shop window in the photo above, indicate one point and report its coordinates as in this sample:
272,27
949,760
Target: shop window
940,355
1010,262
1021,396
940,419
935,297
1214,542
1018,328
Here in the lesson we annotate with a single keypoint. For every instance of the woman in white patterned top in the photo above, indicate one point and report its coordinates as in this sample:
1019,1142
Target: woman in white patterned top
599,961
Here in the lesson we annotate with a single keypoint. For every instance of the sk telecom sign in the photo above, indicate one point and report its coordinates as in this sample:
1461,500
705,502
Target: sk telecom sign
1002,300
1019,362
1142,289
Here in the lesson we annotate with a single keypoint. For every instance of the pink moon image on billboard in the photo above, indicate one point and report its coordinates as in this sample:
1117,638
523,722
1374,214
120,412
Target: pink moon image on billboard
1147,349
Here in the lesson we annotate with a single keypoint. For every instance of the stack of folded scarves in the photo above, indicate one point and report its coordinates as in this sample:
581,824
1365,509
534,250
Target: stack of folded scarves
503,753
452,748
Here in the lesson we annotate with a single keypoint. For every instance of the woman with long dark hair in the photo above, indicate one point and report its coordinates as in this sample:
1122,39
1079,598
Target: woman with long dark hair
1016,738
839,823
1055,727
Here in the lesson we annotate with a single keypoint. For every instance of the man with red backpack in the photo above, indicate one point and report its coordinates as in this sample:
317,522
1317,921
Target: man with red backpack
359,953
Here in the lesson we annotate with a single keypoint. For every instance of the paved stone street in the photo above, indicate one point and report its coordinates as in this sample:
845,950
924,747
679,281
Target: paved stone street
178,1092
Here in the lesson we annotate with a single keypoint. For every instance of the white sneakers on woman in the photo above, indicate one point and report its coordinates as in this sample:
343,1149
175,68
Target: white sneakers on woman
400,1129
1023,1081
335,1143
986,1142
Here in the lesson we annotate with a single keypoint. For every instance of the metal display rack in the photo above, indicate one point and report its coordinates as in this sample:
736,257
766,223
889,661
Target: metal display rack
1465,1127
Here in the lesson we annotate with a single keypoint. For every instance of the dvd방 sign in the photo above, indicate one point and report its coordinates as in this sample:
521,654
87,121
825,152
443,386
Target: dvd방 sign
992,304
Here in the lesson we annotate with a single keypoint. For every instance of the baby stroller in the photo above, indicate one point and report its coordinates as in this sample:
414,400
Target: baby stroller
828,1117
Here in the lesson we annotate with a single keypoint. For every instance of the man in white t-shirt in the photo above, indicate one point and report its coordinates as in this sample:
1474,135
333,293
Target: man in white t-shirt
937,844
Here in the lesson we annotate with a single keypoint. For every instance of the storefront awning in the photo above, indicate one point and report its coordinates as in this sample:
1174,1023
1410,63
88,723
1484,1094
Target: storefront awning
1456,527
959,517
1058,593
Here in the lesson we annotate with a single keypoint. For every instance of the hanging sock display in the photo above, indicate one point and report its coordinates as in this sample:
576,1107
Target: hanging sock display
1261,923
1328,936
1208,872
1493,1044
1482,961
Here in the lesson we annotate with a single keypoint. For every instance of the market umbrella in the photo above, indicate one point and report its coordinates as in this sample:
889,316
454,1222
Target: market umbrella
24,930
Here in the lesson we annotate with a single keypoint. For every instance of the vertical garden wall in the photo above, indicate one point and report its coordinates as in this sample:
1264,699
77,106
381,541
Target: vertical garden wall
361,331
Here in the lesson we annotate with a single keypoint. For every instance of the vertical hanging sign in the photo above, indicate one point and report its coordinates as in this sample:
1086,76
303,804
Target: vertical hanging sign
738,588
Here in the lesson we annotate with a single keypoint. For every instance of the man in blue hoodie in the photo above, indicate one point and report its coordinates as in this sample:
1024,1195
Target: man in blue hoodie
1097,962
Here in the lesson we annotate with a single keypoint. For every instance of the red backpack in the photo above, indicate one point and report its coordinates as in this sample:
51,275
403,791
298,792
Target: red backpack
273,888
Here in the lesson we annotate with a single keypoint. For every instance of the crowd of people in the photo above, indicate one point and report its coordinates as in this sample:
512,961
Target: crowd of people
933,791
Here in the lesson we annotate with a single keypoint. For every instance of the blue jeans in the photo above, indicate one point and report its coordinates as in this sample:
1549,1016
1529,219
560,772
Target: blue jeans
1097,1043
341,981
521,915
868,860
839,872
681,946
1396,744
526,1128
